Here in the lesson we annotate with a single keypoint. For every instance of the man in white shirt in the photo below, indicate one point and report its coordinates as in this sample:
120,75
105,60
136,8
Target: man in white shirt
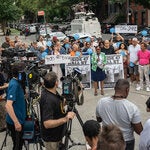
121,112
133,60
144,143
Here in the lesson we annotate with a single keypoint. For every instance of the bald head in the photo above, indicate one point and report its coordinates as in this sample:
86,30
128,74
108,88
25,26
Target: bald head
121,85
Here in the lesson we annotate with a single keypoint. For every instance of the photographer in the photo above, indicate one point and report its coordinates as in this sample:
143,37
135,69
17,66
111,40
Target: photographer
53,118
16,109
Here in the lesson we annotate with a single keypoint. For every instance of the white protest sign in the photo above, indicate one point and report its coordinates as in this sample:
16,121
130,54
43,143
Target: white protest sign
57,59
126,29
114,70
84,65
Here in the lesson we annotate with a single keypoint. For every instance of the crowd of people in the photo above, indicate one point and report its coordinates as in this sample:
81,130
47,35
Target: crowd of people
118,116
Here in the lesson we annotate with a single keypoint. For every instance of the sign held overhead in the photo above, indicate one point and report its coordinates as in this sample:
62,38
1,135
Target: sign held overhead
126,29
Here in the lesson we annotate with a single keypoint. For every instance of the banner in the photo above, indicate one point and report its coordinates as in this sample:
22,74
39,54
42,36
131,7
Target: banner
57,59
114,70
126,29
83,64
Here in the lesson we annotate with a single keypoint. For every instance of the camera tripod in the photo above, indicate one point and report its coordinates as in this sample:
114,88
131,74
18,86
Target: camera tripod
68,131
5,139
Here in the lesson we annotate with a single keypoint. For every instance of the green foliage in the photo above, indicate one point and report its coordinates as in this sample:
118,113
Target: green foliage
9,11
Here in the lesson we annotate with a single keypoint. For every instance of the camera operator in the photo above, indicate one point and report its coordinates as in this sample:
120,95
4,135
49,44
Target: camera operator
16,109
53,118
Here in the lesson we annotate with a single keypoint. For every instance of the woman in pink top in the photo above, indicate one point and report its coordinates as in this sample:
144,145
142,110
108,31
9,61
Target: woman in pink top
143,58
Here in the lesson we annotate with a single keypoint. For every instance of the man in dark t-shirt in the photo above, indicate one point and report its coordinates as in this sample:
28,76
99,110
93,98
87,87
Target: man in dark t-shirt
6,43
53,117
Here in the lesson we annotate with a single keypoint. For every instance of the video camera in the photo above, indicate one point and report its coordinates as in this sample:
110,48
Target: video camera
17,52
72,89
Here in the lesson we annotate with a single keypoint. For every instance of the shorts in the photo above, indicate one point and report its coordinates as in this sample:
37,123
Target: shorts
134,70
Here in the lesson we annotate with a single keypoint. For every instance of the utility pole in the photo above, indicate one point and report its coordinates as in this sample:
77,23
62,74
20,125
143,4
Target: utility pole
128,11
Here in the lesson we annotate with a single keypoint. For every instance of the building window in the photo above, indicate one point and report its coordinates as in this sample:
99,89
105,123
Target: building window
136,18
143,18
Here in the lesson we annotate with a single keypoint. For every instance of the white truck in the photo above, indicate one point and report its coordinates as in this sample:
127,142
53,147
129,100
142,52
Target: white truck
86,23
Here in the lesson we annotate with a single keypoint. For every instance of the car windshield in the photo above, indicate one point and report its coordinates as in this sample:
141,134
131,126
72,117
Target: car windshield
58,34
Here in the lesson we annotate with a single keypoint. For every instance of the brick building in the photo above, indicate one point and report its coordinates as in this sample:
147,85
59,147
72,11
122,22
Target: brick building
139,15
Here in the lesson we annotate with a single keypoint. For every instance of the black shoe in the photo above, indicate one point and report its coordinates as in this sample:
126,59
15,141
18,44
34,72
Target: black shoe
2,130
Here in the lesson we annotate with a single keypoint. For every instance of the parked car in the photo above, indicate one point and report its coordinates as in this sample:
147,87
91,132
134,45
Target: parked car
32,28
60,36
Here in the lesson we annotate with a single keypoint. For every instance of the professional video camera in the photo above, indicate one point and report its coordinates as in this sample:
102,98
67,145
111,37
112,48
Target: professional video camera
12,52
72,89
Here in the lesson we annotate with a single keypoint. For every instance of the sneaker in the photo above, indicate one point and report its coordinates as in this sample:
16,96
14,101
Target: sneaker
138,88
148,89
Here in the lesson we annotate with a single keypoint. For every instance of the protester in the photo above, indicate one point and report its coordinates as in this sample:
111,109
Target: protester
16,109
53,117
56,67
133,61
75,50
144,142
119,39
91,130
111,138
143,58
125,54
62,51
98,61
108,48
121,112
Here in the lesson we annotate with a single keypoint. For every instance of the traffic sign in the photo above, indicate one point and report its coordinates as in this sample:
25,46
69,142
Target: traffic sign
41,13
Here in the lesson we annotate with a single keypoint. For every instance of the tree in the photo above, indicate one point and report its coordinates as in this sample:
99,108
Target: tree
8,12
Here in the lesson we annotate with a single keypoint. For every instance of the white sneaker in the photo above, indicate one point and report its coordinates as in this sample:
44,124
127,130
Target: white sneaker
138,88
148,89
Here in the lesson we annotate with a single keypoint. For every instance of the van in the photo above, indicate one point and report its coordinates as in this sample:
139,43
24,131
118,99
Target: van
86,23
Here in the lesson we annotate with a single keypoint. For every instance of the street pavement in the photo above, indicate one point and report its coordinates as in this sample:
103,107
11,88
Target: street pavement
87,111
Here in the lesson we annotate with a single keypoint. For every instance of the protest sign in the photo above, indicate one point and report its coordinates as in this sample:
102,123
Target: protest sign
114,70
83,64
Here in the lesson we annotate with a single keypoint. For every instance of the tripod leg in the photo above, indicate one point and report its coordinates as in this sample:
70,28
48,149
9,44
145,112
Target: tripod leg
26,144
5,138
78,117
